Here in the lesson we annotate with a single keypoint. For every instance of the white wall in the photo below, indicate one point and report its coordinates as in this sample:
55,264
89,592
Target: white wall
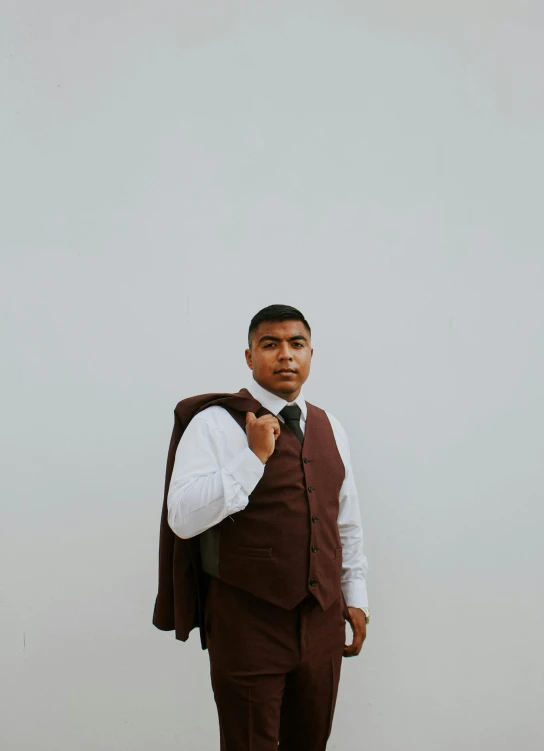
168,168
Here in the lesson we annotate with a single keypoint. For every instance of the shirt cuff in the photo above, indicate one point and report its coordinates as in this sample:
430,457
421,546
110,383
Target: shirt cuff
247,469
355,594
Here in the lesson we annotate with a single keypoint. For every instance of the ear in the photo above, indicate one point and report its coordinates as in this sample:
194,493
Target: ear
312,352
249,359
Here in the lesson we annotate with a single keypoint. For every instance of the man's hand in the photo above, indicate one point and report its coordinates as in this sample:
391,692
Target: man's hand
357,620
261,434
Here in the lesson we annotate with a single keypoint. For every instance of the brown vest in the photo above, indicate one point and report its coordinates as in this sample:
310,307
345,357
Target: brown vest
284,545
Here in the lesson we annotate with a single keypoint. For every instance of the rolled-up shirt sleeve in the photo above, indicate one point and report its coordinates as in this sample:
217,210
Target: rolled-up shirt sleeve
203,489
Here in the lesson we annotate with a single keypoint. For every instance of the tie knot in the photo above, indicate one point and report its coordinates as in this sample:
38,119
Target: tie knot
292,412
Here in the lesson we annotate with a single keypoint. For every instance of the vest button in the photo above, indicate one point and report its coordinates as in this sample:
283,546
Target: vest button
310,488
312,582
306,460
314,548
315,518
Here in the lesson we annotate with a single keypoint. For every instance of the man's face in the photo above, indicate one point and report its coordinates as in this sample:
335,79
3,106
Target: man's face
280,357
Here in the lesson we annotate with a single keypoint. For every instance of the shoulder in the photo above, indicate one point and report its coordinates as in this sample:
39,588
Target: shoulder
202,410
340,434
341,438
208,424
213,415
337,427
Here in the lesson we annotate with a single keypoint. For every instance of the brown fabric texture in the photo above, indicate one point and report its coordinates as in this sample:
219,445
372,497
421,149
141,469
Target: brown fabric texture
274,672
283,546
274,550
182,583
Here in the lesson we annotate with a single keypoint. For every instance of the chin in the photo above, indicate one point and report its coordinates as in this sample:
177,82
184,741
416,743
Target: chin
287,386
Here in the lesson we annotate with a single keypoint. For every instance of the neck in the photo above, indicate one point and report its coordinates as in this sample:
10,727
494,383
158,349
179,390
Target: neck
289,396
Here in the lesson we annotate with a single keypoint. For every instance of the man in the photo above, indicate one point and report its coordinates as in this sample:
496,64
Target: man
262,488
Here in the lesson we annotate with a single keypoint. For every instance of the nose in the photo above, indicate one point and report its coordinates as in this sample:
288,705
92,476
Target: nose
284,353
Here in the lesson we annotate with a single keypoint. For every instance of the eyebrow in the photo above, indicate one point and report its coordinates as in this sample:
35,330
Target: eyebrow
268,338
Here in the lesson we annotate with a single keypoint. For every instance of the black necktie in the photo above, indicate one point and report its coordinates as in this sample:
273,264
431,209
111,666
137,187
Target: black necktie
291,415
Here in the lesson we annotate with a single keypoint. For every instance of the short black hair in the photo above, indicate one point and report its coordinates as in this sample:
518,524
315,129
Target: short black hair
276,313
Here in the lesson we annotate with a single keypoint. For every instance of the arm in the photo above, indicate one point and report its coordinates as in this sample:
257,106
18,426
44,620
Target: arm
214,473
354,562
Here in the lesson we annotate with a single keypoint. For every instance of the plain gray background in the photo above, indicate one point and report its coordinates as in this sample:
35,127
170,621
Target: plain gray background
169,168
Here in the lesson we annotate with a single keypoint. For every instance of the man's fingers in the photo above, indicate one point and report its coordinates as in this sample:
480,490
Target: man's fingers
266,420
353,649
358,628
250,417
350,650
274,424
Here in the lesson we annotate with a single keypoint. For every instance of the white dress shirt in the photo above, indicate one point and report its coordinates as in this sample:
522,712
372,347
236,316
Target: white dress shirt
215,472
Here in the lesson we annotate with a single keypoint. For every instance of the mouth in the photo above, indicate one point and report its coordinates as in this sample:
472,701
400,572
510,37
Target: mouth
286,371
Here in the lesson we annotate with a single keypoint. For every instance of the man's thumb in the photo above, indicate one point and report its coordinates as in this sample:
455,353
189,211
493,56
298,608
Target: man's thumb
250,416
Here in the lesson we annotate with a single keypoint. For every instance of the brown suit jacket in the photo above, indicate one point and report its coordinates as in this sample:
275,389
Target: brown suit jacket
182,585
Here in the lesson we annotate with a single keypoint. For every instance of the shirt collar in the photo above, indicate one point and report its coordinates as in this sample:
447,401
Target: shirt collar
272,402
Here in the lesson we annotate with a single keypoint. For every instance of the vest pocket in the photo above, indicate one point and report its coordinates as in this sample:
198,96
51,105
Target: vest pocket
244,552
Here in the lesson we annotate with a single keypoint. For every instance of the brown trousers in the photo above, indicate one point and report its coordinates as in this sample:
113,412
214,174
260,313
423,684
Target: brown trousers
274,672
